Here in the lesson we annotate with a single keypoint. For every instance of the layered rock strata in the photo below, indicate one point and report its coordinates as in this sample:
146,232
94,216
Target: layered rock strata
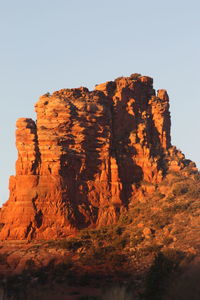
84,159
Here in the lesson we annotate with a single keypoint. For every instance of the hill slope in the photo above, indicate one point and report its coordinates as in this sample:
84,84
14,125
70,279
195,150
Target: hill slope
100,195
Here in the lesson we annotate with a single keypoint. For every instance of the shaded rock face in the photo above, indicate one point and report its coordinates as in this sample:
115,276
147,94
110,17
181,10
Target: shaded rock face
82,162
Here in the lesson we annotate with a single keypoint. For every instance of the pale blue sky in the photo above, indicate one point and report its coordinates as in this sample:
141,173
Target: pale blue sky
47,45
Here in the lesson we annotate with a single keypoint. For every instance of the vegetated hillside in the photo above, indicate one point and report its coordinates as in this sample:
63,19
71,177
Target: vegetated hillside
102,204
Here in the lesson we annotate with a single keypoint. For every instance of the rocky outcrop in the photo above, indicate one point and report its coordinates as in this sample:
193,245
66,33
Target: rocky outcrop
83,161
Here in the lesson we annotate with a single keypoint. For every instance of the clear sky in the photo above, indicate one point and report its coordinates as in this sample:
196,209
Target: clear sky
46,45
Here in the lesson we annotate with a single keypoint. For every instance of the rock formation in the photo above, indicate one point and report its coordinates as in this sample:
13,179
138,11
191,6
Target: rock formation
85,158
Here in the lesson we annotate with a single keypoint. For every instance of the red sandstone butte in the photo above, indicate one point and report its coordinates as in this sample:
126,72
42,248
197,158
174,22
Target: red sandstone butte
81,163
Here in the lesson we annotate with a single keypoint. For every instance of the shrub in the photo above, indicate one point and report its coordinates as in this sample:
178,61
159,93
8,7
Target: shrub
167,241
192,189
125,219
136,238
180,189
194,192
160,221
71,244
178,207
164,265
170,199
135,76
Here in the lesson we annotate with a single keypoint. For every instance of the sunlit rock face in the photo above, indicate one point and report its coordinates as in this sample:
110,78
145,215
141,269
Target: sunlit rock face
82,162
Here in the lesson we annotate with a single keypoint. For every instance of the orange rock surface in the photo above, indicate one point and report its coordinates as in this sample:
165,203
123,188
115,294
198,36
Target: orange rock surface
82,162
